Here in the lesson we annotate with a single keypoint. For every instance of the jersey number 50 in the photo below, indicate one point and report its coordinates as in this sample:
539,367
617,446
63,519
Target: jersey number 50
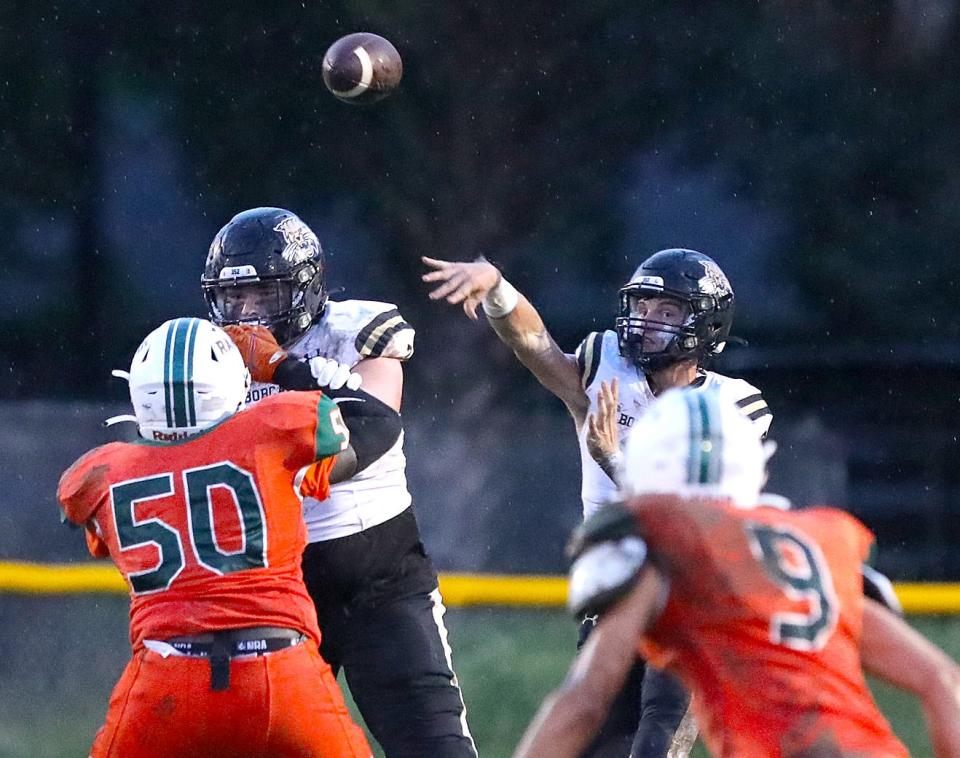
197,483
797,565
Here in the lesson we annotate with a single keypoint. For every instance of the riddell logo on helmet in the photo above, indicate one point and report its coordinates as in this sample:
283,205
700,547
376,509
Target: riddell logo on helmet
169,436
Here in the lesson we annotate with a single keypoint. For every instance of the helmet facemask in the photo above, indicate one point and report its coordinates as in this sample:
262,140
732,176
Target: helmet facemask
285,305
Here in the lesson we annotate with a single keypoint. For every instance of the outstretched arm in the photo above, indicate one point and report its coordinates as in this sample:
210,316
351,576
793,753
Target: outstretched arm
572,714
892,650
516,323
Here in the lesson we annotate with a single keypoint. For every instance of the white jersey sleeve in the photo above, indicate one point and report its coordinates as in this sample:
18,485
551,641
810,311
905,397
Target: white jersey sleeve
747,397
351,330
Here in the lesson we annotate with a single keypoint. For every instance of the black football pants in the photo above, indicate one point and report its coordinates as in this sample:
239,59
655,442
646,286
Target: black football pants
382,622
644,716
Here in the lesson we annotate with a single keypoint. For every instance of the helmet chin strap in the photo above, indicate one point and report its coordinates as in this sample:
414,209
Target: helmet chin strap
125,375
119,419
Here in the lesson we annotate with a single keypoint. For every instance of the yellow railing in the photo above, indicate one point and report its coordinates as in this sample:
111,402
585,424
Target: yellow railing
458,589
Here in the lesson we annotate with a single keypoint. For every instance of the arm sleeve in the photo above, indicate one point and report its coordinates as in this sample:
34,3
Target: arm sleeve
374,426
387,335
755,408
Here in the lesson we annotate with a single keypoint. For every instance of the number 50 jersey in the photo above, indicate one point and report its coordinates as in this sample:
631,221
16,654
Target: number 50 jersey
208,531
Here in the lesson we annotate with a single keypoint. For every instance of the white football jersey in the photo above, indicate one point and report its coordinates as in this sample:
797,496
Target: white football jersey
598,360
348,332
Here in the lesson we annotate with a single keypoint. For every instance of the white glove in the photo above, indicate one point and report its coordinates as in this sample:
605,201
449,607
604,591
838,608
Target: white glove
330,373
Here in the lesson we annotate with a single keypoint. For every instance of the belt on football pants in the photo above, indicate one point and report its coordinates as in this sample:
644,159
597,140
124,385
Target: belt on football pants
225,644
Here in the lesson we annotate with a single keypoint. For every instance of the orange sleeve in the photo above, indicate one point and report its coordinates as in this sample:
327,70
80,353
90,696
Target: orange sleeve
95,544
316,482
863,538
80,486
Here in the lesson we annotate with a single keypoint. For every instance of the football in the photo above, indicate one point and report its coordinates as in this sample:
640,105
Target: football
362,68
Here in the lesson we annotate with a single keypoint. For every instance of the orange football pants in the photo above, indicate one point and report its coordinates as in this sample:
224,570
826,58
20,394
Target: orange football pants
285,703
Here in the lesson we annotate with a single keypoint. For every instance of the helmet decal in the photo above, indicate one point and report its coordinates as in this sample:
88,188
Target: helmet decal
714,281
705,465
302,243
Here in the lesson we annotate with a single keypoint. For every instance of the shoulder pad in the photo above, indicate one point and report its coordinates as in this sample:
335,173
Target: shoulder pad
611,522
589,354
609,554
81,484
604,573
386,335
377,330
749,399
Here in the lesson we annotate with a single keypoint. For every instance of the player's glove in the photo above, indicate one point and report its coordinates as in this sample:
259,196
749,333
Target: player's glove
608,555
259,349
333,375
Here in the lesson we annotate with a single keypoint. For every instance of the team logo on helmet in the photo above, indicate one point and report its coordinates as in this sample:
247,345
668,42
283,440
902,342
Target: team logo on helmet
301,243
713,281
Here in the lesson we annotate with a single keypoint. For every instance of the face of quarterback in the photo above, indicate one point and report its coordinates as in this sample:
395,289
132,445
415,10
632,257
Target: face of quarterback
662,317
254,302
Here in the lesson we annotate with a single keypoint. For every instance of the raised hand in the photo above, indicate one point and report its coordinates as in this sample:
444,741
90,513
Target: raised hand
461,282
603,432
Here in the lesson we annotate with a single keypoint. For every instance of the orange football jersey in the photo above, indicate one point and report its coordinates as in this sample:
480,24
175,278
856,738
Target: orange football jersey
208,531
763,624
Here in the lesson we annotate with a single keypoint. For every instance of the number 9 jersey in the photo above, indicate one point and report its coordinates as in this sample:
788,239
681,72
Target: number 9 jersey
208,530
768,602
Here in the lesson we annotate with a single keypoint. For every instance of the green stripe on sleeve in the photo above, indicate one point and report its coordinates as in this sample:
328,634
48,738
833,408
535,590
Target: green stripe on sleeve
331,435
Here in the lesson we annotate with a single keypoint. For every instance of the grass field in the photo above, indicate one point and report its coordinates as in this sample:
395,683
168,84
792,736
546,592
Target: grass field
59,658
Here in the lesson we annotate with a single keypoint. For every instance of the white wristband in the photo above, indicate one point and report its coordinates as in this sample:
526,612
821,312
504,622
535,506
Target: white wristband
501,299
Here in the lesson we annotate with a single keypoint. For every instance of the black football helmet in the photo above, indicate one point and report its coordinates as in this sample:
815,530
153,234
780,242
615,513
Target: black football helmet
265,267
702,290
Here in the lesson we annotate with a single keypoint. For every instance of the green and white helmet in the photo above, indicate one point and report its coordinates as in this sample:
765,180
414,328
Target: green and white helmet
696,442
186,376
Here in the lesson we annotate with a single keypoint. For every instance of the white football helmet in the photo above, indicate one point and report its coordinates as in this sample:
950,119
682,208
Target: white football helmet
694,441
186,376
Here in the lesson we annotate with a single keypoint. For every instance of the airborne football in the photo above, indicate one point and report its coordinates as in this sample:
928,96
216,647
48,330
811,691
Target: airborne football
362,68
